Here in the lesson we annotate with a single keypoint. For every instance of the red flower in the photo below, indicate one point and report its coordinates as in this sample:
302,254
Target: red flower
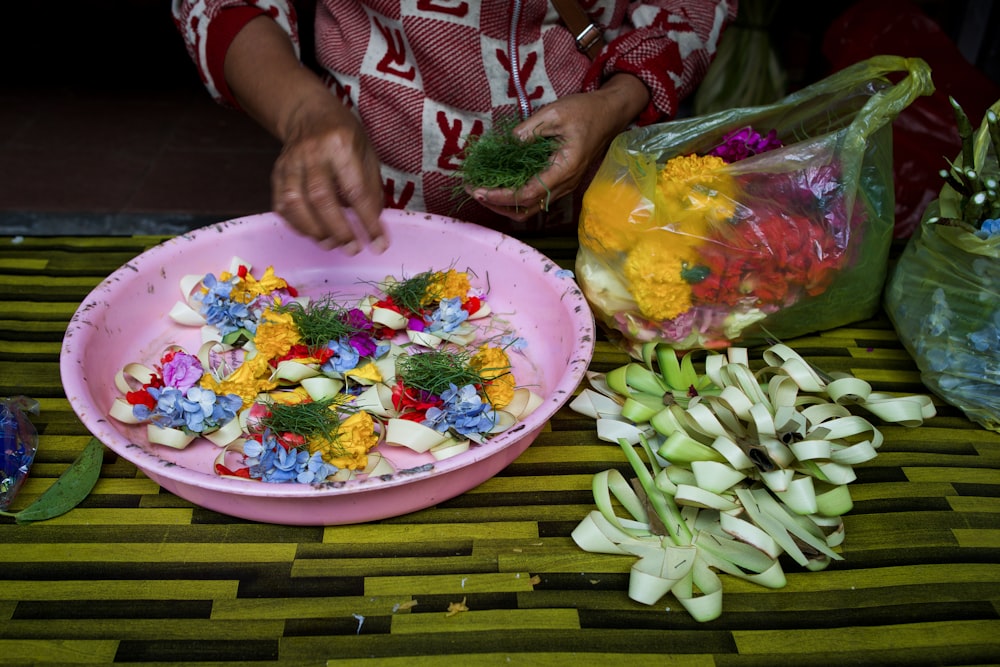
303,352
769,259
141,397
471,305
239,472
412,403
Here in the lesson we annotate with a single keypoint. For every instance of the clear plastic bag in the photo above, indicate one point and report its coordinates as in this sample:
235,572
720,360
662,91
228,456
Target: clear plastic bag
18,443
693,254
944,299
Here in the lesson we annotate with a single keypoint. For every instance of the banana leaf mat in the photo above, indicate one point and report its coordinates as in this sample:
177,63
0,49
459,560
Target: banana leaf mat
135,575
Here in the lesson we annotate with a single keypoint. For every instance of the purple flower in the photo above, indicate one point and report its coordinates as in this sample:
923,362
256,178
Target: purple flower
744,143
363,344
183,371
356,320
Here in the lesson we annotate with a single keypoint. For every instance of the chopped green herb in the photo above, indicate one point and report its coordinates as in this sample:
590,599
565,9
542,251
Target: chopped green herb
499,159
433,371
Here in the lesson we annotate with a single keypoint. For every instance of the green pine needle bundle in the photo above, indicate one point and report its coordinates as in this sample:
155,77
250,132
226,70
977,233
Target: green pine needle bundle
499,159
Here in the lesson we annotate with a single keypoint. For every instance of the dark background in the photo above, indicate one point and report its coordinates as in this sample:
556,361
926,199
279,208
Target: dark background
103,118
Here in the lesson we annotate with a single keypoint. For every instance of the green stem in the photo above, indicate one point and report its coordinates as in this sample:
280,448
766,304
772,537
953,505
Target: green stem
664,506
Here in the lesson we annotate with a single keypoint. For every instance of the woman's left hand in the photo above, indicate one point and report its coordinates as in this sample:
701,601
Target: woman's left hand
584,125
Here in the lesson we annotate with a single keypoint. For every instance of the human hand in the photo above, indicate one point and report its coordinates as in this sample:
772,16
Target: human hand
328,165
584,125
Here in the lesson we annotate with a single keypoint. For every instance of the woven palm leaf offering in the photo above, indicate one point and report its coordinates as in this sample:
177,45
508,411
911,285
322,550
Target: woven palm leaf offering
736,471
300,390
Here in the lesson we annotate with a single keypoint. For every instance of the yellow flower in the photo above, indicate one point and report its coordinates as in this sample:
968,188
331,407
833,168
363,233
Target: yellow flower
251,287
448,284
653,269
251,378
368,373
349,447
493,366
614,213
293,396
276,334
694,192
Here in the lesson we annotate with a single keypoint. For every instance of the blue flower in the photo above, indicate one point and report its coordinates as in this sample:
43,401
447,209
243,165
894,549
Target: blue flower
986,339
938,320
938,359
989,229
462,411
196,411
269,461
316,470
513,342
226,407
198,406
448,316
220,311
168,412
345,356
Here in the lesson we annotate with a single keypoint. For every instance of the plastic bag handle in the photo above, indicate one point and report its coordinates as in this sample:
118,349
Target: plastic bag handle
883,106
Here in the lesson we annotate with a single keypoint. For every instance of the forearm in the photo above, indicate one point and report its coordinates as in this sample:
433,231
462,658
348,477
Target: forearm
625,97
269,82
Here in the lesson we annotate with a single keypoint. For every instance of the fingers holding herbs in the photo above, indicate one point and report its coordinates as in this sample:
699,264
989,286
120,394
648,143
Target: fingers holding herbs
502,169
519,169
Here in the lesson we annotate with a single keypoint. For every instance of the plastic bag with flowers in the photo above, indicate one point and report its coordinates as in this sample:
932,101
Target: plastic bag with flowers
749,223
944,294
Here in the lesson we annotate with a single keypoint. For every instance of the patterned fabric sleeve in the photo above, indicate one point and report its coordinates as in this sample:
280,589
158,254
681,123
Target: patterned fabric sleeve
670,47
209,26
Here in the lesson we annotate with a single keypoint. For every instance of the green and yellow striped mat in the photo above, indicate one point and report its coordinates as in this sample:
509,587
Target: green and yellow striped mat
136,575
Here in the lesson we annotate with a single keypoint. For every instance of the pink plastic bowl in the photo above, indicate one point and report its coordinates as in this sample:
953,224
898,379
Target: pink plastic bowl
125,319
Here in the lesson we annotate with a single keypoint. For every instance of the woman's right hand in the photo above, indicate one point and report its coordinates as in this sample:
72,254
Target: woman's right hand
327,164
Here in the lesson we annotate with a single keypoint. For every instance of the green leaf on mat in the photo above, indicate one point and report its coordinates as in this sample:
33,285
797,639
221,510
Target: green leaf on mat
70,489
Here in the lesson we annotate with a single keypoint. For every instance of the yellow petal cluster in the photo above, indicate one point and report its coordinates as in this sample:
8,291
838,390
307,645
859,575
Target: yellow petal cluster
349,447
614,213
493,365
369,372
448,284
249,288
653,269
694,191
250,378
276,334
660,238
292,396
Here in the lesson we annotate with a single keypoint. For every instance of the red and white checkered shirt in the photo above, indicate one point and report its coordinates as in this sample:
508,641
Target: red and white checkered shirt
422,75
